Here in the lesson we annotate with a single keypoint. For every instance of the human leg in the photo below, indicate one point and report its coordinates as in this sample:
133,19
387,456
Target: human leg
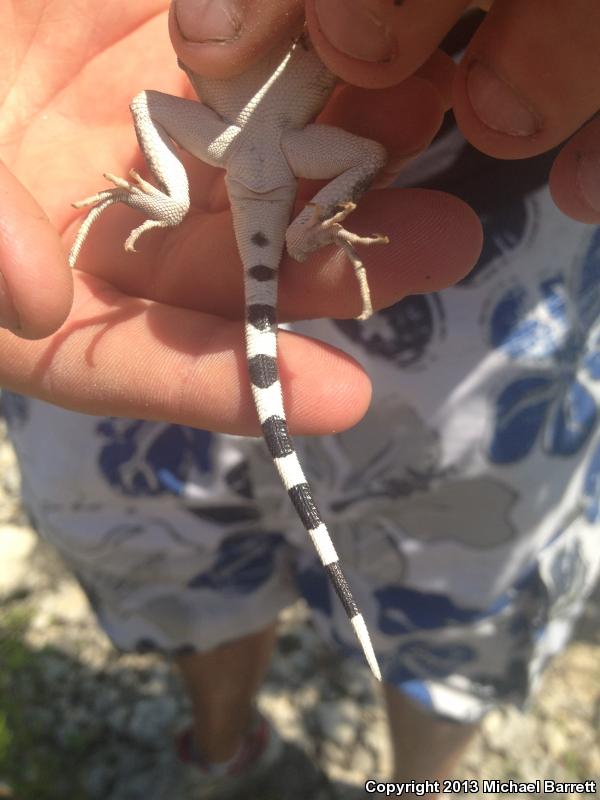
424,746
222,684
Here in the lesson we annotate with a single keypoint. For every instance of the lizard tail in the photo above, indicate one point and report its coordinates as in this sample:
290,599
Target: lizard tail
261,255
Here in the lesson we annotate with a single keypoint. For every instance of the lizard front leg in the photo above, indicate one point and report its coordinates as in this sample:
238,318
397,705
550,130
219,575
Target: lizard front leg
160,121
321,151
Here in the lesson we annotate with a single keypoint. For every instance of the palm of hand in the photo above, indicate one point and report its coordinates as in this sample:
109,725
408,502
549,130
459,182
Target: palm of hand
134,343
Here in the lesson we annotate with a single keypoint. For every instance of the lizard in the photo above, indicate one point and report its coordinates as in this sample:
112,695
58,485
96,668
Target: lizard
258,126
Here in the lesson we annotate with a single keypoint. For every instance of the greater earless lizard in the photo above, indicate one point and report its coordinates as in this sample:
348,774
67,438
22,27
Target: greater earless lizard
258,127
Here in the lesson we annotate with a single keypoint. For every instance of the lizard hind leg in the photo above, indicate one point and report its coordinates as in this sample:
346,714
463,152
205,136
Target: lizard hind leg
350,162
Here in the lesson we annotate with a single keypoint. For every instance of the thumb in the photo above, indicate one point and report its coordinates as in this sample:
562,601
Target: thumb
220,38
36,286
379,43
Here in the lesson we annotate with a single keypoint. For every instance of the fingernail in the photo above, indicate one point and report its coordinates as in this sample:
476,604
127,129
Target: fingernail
204,21
355,29
496,103
588,179
8,315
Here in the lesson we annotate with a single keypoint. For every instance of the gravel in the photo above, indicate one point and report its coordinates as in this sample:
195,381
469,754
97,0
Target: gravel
82,722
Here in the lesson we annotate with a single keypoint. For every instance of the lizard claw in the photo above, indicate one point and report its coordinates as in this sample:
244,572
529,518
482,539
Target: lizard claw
120,183
345,209
129,245
135,185
93,199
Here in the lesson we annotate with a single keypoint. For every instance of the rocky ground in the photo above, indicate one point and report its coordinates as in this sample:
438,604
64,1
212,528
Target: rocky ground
79,722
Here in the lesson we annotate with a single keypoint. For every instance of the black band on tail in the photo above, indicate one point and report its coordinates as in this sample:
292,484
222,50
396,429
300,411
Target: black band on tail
340,585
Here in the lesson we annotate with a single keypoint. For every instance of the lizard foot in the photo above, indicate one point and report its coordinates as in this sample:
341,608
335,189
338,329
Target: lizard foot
304,236
120,193
163,211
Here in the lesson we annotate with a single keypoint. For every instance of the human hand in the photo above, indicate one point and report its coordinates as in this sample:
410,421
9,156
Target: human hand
529,79
157,334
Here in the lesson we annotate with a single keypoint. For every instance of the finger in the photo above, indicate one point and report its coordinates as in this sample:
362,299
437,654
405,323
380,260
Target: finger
182,366
530,75
435,239
374,44
218,39
403,118
35,282
575,175
439,70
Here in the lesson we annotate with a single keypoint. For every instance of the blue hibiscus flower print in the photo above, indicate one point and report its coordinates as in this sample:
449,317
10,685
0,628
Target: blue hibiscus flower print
403,333
555,336
151,459
142,458
242,564
421,659
403,611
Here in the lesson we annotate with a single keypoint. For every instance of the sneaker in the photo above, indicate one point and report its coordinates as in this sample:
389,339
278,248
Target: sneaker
193,781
